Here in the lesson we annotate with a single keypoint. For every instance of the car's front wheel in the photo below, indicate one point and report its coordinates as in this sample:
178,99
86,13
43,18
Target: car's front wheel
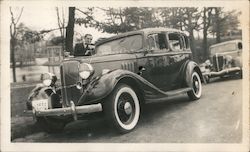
122,108
196,86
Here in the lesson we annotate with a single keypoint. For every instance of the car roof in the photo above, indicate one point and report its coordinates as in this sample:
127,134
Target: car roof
142,31
161,29
222,43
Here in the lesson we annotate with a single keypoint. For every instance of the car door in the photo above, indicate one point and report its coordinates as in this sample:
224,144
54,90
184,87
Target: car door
179,53
164,58
154,60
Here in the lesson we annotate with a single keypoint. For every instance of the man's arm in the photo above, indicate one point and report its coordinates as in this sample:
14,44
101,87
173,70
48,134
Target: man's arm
90,49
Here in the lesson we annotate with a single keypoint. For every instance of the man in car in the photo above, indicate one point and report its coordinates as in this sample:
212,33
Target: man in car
84,48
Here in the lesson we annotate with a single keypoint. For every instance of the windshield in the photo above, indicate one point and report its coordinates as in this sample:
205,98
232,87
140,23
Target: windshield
224,48
122,45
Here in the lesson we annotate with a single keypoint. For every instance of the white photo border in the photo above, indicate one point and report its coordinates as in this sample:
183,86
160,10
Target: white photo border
6,144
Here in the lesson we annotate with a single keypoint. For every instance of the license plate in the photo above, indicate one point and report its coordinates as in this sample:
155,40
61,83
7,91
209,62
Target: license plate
40,105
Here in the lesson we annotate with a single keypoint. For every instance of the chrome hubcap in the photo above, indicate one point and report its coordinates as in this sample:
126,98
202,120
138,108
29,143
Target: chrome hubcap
128,108
196,84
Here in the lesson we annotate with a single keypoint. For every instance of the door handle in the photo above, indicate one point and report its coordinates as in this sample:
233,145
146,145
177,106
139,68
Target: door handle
141,69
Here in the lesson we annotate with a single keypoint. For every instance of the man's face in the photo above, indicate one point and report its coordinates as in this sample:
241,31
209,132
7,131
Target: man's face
88,39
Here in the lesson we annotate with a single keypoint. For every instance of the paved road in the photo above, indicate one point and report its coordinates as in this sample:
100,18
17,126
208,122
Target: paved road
216,117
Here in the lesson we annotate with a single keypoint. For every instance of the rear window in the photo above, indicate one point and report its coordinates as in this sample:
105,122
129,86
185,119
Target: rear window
127,44
176,41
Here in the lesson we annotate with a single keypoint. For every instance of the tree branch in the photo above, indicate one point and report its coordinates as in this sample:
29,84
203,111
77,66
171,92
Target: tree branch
63,20
102,9
19,16
12,17
59,21
87,15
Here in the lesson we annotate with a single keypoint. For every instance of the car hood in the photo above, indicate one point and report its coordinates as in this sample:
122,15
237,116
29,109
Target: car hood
110,62
106,58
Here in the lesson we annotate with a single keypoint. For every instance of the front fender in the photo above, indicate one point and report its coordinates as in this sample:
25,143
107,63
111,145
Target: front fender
105,84
39,92
190,67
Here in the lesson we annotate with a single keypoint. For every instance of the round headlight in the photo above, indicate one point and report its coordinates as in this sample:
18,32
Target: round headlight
49,79
85,70
84,74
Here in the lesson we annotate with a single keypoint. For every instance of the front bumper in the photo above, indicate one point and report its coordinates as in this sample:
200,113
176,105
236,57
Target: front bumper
222,72
72,110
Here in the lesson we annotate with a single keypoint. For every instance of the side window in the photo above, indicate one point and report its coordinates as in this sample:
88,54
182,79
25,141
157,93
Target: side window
152,42
175,41
157,41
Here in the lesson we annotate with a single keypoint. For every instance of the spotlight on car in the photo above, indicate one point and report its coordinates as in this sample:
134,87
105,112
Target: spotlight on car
49,79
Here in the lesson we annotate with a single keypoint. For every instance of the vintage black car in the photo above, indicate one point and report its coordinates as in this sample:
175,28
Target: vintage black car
225,60
126,72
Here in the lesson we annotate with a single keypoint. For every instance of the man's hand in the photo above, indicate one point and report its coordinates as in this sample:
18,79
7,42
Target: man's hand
91,47
67,54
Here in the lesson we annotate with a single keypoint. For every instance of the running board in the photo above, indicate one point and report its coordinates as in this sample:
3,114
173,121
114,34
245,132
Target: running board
155,98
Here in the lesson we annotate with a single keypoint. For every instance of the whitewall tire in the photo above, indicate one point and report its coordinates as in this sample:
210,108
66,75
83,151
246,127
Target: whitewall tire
196,86
122,108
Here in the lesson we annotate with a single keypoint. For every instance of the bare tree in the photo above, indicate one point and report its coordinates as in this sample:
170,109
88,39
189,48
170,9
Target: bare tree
207,18
218,22
61,25
13,39
190,17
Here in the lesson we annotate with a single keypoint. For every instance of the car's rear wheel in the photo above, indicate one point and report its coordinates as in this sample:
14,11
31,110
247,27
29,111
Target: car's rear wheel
196,91
122,108
50,125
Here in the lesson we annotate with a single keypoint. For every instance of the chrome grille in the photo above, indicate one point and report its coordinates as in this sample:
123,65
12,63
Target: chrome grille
69,71
218,62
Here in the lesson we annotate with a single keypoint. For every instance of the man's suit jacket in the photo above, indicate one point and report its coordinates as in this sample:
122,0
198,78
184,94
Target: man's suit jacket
80,49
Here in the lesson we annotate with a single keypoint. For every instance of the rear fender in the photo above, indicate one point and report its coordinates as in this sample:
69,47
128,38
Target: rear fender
190,68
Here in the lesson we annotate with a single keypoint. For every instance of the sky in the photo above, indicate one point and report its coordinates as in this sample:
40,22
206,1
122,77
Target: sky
44,18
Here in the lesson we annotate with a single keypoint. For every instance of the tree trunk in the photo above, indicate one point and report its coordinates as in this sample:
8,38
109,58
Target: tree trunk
205,53
12,48
70,30
193,49
217,19
191,37
204,43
